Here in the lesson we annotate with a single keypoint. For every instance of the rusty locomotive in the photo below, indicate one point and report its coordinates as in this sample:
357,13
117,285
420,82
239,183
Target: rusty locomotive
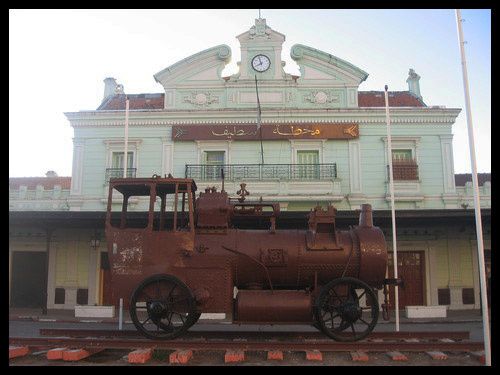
178,264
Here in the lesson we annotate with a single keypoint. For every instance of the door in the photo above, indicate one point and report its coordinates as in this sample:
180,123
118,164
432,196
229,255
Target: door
28,279
311,170
118,163
411,271
213,162
105,281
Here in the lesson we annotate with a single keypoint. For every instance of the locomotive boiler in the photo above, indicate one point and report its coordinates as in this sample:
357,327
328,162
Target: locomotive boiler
178,264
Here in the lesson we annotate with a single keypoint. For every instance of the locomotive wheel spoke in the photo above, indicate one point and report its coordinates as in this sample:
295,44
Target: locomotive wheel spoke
148,298
182,318
170,318
364,321
169,294
175,301
336,295
362,294
158,295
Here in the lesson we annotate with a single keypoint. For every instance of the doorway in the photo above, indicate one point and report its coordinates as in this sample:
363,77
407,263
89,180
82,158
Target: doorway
411,269
28,279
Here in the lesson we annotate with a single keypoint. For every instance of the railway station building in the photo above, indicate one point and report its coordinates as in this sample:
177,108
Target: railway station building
324,142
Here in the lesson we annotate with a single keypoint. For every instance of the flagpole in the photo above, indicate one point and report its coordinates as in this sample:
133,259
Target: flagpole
259,127
125,154
393,210
477,203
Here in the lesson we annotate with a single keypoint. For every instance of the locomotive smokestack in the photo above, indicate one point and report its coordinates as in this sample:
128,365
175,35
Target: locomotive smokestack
366,217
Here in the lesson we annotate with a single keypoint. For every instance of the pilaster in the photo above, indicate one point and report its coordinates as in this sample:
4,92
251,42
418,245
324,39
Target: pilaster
355,166
447,158
167,164
77,169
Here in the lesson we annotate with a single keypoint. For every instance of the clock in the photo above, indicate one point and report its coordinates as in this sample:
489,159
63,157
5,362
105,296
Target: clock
261,63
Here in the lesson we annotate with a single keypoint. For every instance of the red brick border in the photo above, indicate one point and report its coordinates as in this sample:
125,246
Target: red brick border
18,351
234,356
140,356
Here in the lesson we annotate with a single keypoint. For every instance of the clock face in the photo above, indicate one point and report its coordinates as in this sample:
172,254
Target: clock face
261,63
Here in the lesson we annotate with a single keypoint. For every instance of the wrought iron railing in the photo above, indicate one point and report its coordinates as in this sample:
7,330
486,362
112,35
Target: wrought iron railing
404,170
118,173
235,172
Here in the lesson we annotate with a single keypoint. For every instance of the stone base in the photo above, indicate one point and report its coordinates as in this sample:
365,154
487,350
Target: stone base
426,311
84,311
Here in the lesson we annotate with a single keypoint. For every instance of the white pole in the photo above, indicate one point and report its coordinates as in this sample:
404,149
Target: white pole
125,154
477,204
120,315
393,211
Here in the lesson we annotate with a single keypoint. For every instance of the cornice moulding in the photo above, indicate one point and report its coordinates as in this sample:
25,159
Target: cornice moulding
270,116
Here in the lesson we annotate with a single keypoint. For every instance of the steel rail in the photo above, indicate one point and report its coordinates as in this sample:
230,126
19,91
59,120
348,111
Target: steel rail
456,335
326,346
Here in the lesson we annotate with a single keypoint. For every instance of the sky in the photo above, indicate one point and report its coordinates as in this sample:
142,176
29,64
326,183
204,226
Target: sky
58,60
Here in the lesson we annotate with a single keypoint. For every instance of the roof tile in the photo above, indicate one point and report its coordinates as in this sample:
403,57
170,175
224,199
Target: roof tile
396,99
462,178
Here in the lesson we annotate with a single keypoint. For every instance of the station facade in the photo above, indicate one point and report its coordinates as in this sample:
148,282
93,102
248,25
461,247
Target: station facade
321,141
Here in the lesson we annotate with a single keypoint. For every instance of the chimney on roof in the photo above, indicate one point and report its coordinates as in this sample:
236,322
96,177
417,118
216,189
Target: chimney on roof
51,174
110,86
413,84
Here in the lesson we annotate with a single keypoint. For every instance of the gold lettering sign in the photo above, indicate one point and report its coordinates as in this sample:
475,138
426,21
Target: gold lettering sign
267,132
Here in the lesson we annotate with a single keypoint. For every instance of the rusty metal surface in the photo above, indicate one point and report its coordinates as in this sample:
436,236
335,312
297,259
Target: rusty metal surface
263,335
211,257
268,306
326,346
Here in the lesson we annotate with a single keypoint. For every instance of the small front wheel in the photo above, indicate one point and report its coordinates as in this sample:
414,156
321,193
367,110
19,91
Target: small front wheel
162,307
339,313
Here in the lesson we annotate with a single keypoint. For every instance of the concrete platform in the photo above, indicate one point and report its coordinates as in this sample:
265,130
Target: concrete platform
453,316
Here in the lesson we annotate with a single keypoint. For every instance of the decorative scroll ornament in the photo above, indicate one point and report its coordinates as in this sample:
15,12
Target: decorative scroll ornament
260,30
179,132
201,99
352,130
320,97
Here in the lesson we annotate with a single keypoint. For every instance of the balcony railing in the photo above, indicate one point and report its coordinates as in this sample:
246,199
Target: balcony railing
262,172
118,173
406,170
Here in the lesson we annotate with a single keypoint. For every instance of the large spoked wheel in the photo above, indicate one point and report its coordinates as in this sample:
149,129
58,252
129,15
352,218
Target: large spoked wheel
162,307
339,313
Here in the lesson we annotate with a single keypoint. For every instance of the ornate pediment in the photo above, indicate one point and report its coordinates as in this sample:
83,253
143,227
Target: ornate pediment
319,66
204,66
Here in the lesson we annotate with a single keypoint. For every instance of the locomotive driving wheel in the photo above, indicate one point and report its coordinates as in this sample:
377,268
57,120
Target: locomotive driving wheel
339,313
162,307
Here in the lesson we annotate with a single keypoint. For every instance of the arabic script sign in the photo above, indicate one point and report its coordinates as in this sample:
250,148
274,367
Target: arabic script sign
276,131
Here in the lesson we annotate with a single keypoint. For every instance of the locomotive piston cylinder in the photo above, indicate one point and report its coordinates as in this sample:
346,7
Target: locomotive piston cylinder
273,306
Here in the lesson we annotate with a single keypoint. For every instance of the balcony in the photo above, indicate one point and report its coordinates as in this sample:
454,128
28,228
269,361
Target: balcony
118,173
404,170
262,172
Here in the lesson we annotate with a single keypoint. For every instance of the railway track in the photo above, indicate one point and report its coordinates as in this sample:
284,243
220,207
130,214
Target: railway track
262,335
244,344
90,342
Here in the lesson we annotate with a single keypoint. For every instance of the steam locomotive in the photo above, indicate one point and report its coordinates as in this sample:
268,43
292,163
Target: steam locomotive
178,264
